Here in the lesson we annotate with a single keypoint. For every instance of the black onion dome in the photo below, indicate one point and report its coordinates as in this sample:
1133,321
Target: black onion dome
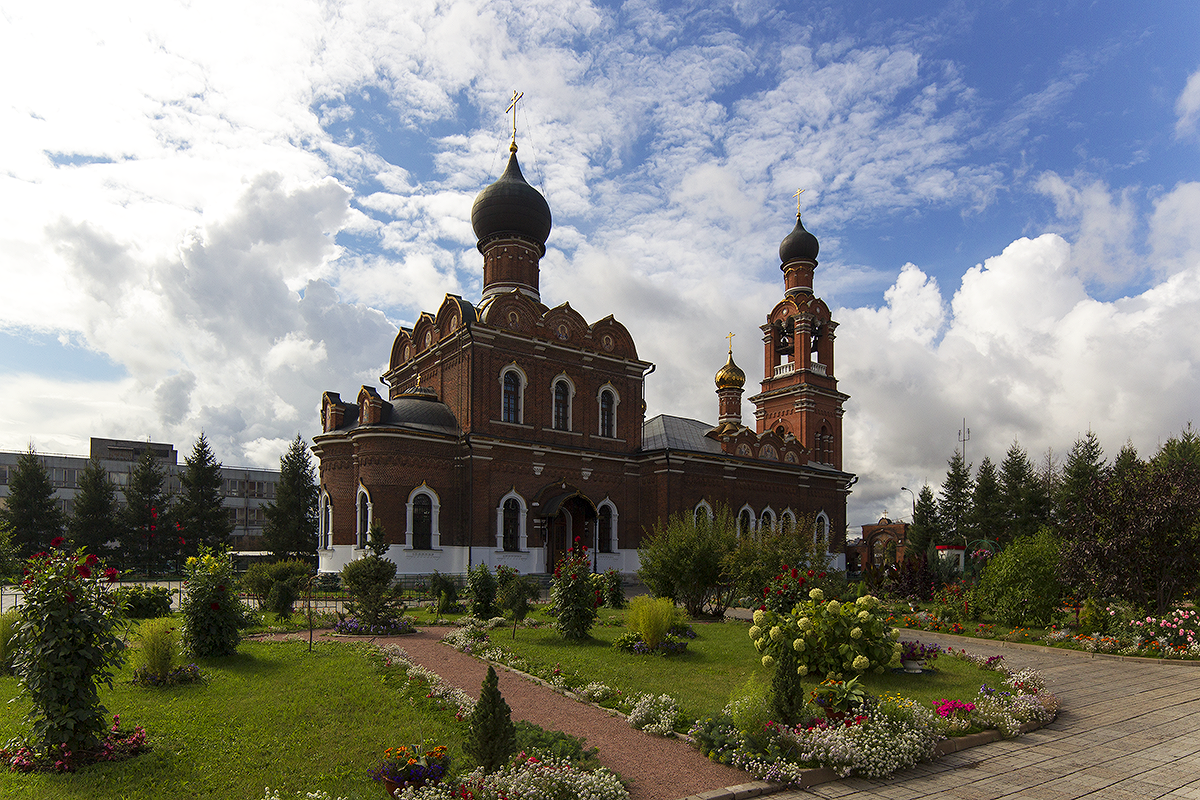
798,245
512,207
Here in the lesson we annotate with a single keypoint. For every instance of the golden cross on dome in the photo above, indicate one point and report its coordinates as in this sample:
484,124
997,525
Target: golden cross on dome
730,338
797,196
513,108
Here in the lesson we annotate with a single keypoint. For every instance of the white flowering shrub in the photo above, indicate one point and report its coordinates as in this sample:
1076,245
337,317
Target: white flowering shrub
528,778
657,715
300,795
597,692
827,638
467,639
994,711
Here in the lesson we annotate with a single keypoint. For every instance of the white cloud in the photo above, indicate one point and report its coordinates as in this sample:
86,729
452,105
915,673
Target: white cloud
1187,107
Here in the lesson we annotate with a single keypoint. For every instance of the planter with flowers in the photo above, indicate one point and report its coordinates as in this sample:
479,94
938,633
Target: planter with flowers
914,656
411,766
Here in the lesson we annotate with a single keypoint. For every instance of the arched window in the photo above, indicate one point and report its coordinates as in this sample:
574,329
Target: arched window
703,512
325,522
767,521
422,522
788,520
511,525
745,522
364,517
511,411
821,535
608,409
562,405
605,529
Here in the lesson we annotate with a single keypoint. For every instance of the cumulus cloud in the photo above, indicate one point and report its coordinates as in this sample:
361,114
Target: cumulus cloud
1187,107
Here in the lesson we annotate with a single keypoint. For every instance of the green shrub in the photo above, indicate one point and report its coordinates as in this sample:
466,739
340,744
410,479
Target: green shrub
1020,585
65,648
328,582
515,594
826,638
212,612
684,560
612,590
481,584
159,640
444,591
375,599
652,617
282,599
1091,617
534,739
8,629
261,579
750,710
144,602
491,737
571,594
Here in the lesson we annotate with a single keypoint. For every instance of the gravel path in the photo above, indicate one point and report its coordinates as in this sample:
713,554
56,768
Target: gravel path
658,768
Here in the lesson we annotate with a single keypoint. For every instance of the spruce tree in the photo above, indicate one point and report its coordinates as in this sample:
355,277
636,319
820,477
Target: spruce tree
30,509
144,523
94,518
200,512
1082,476
987,503
954,501
291,525
925,529
492,737
1026,499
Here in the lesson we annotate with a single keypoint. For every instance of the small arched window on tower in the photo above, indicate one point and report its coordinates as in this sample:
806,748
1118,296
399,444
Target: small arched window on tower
608,407
512,397
512,525
562,406
422,522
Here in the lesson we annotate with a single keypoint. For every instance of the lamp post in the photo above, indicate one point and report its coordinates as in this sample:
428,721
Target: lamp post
914,515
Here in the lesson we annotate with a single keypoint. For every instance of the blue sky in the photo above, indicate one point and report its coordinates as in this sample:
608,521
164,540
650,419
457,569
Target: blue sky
213,212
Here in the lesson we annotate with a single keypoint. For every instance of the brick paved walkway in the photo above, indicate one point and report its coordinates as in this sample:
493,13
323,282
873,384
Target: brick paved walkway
1127,729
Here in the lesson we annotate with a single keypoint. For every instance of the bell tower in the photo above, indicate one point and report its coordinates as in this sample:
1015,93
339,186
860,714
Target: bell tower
799,387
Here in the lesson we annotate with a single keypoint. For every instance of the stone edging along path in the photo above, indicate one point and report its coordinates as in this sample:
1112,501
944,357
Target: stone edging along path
1070,651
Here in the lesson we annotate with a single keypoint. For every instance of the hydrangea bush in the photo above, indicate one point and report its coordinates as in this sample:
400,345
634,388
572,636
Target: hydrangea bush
828,638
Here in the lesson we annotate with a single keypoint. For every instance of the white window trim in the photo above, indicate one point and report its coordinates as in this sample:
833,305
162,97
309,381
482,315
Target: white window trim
703,504
612,533
768,512
570,401
822,521
600,410
753,518
325,521
789,514
522,382
435,536
522,518
361,532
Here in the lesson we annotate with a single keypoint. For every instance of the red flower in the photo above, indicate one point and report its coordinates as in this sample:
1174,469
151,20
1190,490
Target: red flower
83,572
221,588
56,541
91,560
215,606
810,573
822,575
181,541
111,573
70,597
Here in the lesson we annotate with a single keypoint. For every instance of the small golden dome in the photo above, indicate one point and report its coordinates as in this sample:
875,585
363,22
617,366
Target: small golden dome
730,376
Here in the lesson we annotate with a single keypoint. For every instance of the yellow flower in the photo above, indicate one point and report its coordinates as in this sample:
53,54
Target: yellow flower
861,663
802,670
856,633
767,661
755,632
798,645
758,617
776,632
817,594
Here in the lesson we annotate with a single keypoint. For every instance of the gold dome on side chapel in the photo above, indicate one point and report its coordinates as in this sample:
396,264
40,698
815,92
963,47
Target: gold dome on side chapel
730,376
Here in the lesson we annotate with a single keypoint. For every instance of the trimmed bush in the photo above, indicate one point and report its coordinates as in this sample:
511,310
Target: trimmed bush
144,602
376,600
1020,585
444,592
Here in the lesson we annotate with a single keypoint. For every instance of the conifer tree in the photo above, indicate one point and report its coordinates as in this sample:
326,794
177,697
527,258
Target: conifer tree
144,523
925,529
94,519
30,509
492,737
954,501
200,513
291,526
1026,500
1082,475
987,503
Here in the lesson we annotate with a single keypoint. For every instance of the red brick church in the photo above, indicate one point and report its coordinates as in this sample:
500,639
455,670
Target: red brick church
510,428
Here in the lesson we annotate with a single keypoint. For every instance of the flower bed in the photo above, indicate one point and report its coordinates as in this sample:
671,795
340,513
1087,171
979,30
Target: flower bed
352,627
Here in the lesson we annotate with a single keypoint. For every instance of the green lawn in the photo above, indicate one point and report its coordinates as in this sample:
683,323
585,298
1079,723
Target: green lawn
719,660
273,715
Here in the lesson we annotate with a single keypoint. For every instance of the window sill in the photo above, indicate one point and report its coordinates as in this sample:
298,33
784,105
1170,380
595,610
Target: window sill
512,424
